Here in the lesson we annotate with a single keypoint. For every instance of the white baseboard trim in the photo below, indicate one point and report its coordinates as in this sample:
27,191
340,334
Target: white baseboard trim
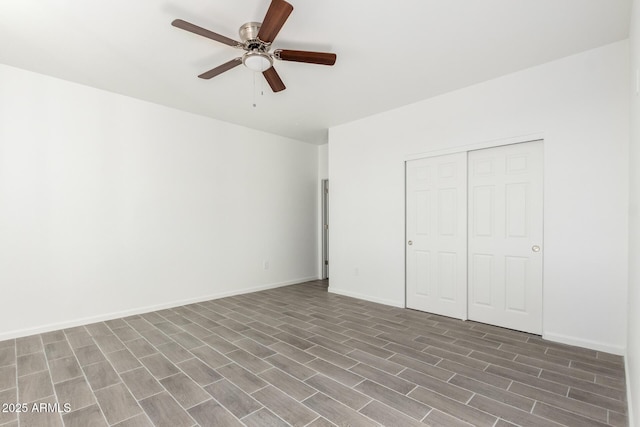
364,297
630,407
141,310
593,345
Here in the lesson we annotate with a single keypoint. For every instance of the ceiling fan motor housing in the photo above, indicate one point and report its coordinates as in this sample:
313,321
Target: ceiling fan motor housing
249,32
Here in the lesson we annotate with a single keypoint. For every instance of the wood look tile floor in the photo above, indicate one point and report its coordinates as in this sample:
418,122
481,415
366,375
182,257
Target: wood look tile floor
301,356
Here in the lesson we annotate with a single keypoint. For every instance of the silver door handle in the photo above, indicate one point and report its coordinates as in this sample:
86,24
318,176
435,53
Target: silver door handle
535,248
410,243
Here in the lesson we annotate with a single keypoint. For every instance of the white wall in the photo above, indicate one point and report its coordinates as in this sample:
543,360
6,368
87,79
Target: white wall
580,106
110,205
633,340
323,161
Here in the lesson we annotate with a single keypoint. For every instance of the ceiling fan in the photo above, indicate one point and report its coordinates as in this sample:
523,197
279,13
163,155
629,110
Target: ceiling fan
256,41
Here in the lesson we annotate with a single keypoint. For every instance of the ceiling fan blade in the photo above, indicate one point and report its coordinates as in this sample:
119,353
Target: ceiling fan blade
279,11
274,79
184,25
221,68
321,58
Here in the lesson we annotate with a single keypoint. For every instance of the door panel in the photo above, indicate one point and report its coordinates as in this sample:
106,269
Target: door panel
516,204
436,227
505,222
482,270
447,275
422,277
516,278
483,207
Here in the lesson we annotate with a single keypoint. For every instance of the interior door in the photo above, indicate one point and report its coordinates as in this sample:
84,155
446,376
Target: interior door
505,236
436,246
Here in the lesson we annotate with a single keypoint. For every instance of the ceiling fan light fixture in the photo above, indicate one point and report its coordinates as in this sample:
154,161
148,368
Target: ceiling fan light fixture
257,61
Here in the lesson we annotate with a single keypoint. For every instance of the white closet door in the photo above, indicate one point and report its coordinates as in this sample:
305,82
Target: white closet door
436,235
505,236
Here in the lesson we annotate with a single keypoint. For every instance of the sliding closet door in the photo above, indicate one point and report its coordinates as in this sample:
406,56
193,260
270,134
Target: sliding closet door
436,246
505,236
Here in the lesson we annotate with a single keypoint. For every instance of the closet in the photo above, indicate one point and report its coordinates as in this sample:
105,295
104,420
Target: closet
474,235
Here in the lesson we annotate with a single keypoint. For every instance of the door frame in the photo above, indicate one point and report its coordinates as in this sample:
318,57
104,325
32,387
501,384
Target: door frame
324,256
476,146
465,149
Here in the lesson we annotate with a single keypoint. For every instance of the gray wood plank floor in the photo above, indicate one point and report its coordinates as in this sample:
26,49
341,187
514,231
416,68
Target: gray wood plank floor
301,356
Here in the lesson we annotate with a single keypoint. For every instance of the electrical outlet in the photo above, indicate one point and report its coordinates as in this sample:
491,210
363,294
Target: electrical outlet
356,271
265,265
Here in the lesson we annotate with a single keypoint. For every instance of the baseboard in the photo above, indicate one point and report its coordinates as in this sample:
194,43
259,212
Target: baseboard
593,345
630,408
364,297
141,310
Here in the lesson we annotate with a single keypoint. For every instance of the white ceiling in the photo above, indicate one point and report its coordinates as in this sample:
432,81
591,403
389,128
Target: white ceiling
390,53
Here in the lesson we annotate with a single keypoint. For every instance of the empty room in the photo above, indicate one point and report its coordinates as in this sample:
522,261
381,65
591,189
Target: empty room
294,213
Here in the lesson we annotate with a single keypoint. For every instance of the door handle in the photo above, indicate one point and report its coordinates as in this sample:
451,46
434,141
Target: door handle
410,242
535,248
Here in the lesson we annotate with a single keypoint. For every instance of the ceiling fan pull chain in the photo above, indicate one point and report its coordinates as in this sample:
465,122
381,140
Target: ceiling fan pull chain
254,89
